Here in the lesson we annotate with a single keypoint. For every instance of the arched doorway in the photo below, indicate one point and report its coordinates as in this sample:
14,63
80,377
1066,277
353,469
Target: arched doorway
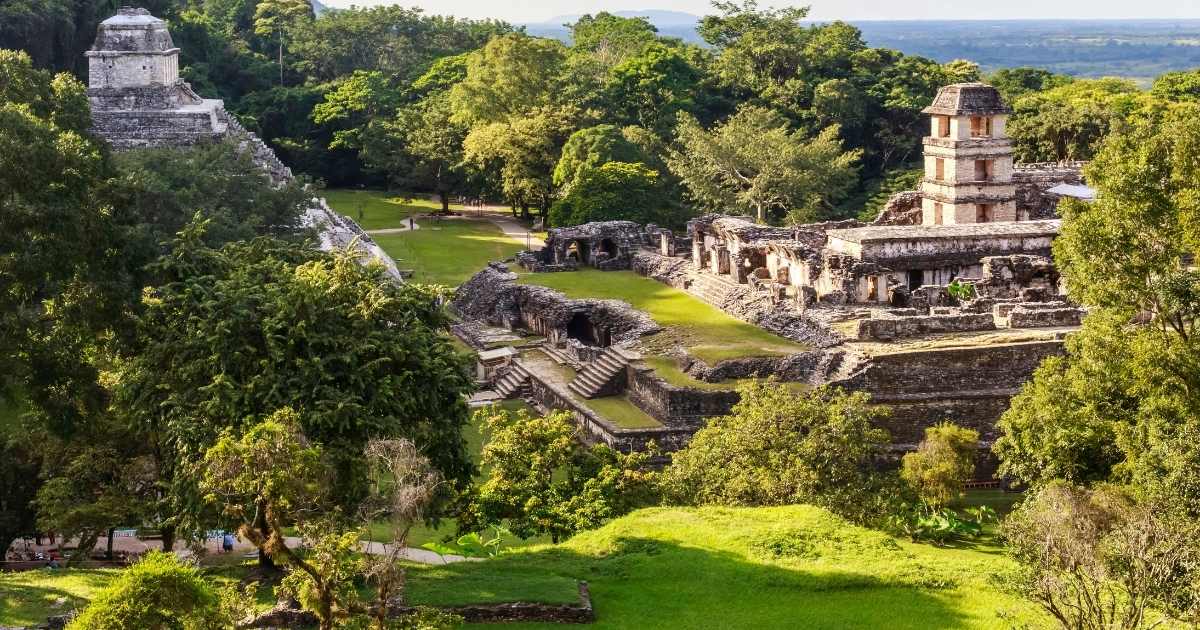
609,248
577,251
580,328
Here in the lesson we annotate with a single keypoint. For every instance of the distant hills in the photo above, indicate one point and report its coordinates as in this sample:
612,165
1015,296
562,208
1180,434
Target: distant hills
1139,49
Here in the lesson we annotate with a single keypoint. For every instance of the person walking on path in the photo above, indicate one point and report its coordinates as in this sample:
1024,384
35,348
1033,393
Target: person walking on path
227,542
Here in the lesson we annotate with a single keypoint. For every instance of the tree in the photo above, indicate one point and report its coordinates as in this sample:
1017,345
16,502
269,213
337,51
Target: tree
943,462
542,480
160,591
524,152
650,88
610,192
233,334
61,290
1070,122
779,448
1014,83
277,18
611,39
1099,559
421,148
1121,405
754,163
593,146
272,477
510,77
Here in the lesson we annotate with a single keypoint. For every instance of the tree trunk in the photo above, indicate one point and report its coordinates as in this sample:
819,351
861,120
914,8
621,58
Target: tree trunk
281,60
168,537
264,528
445,198
108,552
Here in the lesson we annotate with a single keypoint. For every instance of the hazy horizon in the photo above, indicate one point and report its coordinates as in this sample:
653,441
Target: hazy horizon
540,11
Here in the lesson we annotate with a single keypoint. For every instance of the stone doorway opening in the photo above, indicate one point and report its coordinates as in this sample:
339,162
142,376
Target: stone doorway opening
578,251
582,329
607,247
916,278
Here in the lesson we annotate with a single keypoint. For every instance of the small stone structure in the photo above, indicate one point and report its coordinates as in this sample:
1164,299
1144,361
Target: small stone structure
138,101
605,245
136,95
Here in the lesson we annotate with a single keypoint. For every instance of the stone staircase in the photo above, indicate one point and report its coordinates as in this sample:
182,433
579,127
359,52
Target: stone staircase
514,383
723,292
559,356
601,376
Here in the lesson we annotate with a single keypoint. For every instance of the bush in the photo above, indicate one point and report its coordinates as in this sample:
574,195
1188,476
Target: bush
779,448
1101,559
942,463
158,592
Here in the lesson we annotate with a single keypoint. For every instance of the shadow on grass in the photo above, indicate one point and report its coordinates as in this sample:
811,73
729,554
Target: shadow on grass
646,583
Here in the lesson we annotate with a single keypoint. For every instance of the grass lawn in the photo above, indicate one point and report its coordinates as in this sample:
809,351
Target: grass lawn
450,251
785,567
378,210
621,412
709,334
782,567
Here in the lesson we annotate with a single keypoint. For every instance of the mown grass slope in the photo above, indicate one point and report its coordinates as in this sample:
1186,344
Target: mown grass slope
785,567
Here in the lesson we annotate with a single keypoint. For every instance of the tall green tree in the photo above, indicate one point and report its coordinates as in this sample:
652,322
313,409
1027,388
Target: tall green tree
755,163
511,76
277,18
1122,404
613,191
233,334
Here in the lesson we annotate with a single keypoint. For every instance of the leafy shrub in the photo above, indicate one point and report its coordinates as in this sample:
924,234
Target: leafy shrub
777,448
941,525
942,463
158,592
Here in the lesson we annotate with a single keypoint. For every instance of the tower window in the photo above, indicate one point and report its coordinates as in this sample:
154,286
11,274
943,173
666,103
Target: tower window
943,126
939,169
981,127
983,170
983,213
937,213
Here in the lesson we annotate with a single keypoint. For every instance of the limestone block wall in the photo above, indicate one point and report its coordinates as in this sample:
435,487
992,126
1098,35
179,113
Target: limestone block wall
677,407
888,328
951,372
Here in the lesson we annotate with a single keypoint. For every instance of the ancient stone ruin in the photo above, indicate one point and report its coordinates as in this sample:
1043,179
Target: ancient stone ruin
138,100
939,309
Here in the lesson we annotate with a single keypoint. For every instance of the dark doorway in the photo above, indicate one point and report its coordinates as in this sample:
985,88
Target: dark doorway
580,329
916,278
578,251
609,248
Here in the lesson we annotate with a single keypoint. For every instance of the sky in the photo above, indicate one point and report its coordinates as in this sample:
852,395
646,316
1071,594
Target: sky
542,10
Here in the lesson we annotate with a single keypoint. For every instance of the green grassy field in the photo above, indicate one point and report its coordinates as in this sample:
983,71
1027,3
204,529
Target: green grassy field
378,210
449,252
786,567
680,568
709,334
446,251
623,413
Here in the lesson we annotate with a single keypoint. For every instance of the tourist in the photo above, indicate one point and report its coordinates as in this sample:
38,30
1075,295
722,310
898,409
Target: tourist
227,542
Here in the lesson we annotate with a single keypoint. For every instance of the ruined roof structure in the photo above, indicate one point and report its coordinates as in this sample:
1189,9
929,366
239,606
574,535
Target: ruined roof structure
968,99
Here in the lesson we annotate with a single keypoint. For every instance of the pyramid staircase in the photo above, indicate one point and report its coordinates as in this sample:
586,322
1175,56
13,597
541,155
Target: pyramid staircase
602,376
559,356
514,383
722,291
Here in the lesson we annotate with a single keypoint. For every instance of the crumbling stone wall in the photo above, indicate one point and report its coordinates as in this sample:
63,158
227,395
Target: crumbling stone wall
950,372
493,296
1029,316
605,245
888,328
677,407
1034,180
902,208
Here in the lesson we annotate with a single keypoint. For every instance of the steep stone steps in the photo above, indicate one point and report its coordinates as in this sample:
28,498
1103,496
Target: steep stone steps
514,383
559,356
722,292
600,376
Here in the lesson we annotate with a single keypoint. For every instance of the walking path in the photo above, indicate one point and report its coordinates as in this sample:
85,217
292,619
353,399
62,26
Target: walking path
137,546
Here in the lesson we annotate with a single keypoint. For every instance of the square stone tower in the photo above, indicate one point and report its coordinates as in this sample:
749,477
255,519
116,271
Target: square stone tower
136,94
968,158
